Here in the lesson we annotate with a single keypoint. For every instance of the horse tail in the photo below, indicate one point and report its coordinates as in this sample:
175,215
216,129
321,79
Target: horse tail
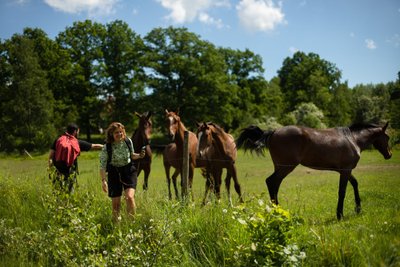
157,149
254,139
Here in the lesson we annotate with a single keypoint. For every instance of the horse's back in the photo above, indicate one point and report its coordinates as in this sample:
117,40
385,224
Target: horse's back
231,148
326,148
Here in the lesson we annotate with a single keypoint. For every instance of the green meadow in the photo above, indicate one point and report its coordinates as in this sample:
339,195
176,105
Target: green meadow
40,226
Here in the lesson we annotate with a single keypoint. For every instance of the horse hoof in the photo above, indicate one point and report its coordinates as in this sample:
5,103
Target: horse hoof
358,209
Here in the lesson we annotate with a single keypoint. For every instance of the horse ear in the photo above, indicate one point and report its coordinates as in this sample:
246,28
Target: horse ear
198,124
384,127
137,114
148,115
166,111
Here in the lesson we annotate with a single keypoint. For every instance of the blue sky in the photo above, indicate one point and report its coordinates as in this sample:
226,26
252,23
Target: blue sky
361,37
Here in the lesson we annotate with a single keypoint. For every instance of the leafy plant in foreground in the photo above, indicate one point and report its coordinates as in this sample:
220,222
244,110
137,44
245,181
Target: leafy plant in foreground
269,227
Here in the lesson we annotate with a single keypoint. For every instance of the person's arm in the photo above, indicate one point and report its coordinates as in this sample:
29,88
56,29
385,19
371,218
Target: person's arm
136,156
103,176
96,146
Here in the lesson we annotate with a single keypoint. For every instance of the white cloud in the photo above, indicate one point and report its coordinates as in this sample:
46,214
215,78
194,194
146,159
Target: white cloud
370,44
92,7
260,15
206,19
182,11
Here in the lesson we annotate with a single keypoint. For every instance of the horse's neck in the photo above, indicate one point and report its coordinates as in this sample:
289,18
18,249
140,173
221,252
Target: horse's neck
139,138
180,136
220,140
364,137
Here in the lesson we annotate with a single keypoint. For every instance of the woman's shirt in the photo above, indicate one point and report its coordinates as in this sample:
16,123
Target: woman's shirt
120,155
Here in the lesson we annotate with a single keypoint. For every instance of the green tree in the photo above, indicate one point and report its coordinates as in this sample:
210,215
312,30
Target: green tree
308,78
123,77
56,62
245,72
340,113
188,74
83,41
306,114
394,89
27,103
370,103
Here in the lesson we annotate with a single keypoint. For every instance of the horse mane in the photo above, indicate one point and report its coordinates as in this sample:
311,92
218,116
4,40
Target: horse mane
356,127
219,135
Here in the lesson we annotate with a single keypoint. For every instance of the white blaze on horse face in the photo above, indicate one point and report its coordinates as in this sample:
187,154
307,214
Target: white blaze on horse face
198,144
171,122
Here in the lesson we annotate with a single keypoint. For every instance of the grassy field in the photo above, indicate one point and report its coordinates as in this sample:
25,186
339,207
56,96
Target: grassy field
39,227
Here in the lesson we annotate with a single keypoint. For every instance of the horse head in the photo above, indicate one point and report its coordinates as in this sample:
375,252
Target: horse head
381,143
204,136
173,121
145,124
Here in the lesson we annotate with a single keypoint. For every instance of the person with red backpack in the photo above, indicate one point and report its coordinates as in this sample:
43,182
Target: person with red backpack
64,156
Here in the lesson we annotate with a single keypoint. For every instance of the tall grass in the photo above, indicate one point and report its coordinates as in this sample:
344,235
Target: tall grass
41,227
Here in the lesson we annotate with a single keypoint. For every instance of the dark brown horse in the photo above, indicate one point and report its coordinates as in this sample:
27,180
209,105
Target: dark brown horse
218,149
335,149
173,153
141,139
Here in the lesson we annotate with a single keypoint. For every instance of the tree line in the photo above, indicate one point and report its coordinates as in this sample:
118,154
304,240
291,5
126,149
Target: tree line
93,74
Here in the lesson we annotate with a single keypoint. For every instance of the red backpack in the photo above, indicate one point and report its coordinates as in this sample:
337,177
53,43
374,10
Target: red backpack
67,149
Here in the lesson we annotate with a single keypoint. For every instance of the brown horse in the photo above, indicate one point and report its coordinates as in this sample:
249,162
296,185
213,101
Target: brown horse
173,153
218,149
335,149
141,140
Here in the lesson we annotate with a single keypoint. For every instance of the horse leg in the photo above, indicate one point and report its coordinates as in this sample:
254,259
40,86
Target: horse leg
344,178
274,181
146,170
190,182
236,182
354,183
176,173
208,184
228,186
217,183
167,167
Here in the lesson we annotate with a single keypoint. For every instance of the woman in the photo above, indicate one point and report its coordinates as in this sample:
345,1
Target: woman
116,161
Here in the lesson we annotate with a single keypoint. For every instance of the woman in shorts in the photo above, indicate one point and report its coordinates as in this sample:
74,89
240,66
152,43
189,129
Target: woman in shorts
117,170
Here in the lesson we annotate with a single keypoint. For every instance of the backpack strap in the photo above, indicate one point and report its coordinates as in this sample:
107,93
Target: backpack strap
109,155
128,142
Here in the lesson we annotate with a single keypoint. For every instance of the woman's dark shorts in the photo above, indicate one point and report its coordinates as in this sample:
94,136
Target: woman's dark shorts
120,179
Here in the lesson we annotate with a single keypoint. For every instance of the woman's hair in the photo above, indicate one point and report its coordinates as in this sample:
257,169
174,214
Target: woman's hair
111,129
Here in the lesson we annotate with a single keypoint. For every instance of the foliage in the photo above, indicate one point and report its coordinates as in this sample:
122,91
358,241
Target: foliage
27,102
308,78
40,226
122,77
93,74
371,103
270,230
306,114
83,42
